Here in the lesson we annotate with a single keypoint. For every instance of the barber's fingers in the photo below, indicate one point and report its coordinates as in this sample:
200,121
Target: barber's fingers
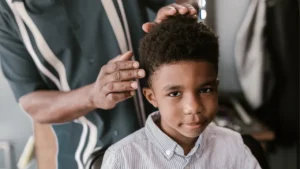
114,98
164,13
124,75
148,26
170,10
180,9
126,56
118,66
173,9
191,9
115,87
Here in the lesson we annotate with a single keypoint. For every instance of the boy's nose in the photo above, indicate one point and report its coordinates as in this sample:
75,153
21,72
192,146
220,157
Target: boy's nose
193,105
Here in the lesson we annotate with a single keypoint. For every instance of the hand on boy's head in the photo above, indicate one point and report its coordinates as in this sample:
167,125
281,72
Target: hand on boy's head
115,82
170,10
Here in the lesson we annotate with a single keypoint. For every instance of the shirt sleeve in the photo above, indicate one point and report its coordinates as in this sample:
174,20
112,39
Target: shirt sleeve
248,160
16,63
110,160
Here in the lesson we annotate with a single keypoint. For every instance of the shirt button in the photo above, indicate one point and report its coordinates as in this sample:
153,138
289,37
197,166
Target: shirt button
168,152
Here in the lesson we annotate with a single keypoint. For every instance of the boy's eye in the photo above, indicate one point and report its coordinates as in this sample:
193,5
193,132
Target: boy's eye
206,90
175,94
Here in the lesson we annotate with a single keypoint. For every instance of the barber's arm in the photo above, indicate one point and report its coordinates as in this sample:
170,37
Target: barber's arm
42,100
113,85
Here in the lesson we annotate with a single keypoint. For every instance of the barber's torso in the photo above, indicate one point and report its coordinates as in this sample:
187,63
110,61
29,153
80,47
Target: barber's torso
81,40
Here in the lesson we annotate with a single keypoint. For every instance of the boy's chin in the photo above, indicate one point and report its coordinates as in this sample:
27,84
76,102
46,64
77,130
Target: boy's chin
193,134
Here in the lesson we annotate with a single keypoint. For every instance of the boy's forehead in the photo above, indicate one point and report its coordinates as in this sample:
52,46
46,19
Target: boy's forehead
184,71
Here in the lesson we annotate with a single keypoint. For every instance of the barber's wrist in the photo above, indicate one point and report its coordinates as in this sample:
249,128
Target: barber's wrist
91,97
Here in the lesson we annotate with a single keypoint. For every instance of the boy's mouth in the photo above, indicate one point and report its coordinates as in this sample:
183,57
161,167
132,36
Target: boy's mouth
194,125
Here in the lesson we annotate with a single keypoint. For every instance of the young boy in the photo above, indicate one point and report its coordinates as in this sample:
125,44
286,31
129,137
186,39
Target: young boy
180,57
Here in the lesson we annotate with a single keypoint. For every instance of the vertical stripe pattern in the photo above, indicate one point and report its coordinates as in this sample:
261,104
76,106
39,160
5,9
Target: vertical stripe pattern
115,22
22,17
151,148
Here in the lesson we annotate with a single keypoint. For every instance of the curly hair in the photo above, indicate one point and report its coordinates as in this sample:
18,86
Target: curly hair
179,38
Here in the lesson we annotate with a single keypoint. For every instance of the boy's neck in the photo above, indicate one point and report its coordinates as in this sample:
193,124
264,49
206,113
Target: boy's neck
186,143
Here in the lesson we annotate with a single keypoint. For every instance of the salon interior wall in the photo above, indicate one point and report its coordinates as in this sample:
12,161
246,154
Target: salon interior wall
15,125
225,17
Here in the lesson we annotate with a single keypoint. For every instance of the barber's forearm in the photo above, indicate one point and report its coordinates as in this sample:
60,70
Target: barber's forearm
57,107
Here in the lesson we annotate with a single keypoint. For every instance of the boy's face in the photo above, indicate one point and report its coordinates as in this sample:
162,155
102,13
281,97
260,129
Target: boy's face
186,96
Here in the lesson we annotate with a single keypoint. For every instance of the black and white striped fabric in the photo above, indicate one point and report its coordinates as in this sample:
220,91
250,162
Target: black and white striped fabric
61,45
150,148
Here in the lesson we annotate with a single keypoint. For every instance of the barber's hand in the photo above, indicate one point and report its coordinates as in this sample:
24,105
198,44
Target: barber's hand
115,82
170,10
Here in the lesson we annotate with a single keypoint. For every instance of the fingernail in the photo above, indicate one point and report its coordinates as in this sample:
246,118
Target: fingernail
125,54
134,85
136,64
132,93
141,73
171,8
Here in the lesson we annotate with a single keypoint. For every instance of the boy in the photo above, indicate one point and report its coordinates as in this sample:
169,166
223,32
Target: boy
180,57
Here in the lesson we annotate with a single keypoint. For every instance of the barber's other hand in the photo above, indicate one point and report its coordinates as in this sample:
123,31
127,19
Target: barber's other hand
116,82
170,10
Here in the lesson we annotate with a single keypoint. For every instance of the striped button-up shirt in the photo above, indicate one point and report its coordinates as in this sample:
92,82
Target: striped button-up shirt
151,148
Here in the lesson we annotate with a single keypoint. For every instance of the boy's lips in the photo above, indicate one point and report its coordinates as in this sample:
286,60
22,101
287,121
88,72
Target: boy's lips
195,125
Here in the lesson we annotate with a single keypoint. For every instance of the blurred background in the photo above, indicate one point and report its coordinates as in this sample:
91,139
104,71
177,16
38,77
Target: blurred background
259,79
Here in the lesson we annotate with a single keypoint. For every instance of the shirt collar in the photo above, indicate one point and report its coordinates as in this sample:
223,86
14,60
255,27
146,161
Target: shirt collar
167,145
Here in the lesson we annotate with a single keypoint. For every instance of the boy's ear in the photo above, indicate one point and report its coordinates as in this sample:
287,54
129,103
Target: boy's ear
148,93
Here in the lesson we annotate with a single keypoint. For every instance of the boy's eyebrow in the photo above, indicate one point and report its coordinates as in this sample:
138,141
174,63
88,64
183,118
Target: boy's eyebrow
172,87
209,83
177,87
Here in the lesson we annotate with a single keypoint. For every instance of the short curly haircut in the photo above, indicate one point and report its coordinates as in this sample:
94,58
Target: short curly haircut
179,38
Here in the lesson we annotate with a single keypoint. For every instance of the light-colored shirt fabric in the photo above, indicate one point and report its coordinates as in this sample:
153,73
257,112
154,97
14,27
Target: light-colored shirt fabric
150,148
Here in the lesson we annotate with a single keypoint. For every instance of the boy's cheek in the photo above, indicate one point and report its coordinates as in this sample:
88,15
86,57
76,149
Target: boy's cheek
169,102
169,107
213,103
213,113
211,108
